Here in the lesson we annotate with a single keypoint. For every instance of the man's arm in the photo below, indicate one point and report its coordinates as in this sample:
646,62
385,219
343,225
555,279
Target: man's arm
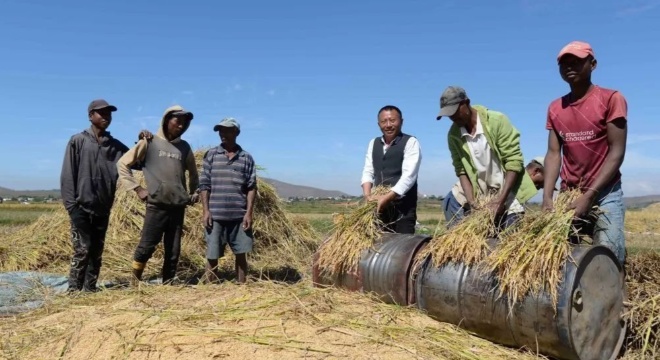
69,176
368,172
251,195
133,156
193,176
617,133
508,143
552,164
204,188
468,191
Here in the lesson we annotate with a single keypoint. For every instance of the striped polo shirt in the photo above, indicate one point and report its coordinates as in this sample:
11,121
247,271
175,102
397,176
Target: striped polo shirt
228,181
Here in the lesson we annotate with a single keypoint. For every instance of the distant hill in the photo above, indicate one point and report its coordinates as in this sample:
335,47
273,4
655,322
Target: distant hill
286,190
640,201
9,193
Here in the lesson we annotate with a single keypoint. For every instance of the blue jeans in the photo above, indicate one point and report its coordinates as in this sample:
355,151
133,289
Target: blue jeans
454,213
608,227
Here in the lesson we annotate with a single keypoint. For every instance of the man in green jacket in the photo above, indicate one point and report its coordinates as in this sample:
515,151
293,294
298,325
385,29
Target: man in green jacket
487,159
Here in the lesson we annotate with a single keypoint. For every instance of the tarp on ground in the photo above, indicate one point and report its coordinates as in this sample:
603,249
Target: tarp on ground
27,290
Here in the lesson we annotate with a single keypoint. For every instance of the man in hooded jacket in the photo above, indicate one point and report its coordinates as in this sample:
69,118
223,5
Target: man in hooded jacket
164,161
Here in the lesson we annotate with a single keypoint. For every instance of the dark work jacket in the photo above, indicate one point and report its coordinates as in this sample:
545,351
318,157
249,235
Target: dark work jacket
89,172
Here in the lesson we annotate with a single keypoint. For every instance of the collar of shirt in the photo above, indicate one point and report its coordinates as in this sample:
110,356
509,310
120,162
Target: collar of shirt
394,141
223,151
479,130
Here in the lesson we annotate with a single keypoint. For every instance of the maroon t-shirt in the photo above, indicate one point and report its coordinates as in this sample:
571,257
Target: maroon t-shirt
582,128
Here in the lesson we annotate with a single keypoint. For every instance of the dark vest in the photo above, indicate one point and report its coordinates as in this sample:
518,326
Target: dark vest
164,171
388,167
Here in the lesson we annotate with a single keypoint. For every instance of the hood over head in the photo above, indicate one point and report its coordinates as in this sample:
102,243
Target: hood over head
178,111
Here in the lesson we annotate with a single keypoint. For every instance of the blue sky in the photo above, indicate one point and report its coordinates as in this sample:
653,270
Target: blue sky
306,78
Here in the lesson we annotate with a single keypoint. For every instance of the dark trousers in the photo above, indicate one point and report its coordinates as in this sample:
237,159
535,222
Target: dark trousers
164,223
399,219
88,238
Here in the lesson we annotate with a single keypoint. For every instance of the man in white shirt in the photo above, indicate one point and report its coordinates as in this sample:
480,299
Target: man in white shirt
393,160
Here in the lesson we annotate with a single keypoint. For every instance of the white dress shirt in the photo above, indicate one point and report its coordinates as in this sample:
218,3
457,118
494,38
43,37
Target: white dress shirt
490,177
412,157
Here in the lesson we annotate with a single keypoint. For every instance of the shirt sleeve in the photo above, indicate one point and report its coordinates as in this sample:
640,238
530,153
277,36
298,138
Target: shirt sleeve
252,174
412,157
134,155
368,170
193,176
205,178
455,145
617,108
508,142
69,175
548,119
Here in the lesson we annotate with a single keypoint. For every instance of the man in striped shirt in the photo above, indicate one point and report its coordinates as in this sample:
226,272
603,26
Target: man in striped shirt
228,187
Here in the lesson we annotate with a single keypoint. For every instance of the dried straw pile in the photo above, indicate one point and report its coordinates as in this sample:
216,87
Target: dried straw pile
531,257
260,320
643,286
465,242
45,245
351,235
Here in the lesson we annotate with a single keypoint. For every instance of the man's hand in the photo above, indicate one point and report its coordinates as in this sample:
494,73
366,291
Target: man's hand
194,199
207,220
145,134
142,193
582,205
547,205
497,207
384,200
247,222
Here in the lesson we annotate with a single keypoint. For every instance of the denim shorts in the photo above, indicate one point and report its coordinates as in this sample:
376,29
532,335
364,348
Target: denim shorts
225,233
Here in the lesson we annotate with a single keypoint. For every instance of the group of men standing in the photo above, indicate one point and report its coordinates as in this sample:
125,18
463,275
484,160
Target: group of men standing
94,161
587,140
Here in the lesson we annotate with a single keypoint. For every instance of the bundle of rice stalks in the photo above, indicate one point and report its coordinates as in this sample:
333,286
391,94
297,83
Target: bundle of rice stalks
352,234
465,242
643,286
532,255
46,245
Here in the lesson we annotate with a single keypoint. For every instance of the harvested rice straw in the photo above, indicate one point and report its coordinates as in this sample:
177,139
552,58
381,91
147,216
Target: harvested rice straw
352,234
465,242
643,317
281,240
531,257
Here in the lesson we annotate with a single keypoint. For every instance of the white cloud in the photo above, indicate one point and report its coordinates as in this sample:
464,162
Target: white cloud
634,139
638,8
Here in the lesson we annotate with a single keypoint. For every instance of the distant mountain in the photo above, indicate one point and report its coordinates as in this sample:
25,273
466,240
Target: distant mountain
640,201
9,193
286,190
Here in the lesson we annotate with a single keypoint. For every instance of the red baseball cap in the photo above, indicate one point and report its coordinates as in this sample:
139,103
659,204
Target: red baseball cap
580,49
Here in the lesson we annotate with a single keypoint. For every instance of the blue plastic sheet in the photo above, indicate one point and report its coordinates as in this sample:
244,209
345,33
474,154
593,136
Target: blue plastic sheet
26,290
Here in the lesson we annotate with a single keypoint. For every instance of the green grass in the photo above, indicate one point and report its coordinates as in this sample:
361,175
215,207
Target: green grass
16,214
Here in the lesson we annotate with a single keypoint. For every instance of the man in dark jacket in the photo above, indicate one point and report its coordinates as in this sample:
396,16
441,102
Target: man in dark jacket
164,160
88,183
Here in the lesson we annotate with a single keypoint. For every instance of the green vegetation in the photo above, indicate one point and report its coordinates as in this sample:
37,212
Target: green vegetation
17,214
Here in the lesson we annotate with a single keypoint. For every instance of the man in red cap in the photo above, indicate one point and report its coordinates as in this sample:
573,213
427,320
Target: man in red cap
587,139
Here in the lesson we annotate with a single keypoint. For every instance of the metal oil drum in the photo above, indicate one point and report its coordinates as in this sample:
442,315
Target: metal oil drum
586,325
383,270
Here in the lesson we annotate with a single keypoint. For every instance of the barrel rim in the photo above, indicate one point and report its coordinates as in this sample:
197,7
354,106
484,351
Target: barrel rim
587,250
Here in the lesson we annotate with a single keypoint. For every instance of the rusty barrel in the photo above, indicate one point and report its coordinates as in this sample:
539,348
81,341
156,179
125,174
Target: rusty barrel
384,270
587,324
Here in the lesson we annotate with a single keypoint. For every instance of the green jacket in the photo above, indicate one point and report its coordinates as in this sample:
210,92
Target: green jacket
504,140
